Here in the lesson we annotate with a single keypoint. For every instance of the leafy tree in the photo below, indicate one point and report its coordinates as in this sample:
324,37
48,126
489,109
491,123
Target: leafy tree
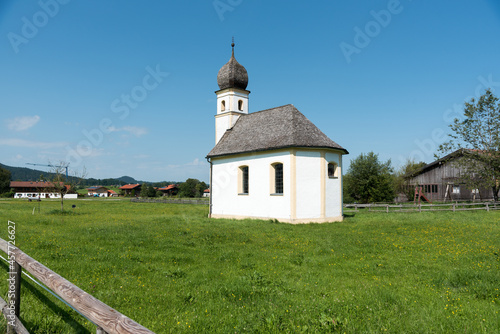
403,175
478,138
4,181
368,180
147,190
192,188
144,190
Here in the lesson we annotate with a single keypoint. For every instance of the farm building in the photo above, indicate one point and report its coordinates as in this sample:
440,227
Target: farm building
439,181
38,190
100,191
131,189
170,190
270,164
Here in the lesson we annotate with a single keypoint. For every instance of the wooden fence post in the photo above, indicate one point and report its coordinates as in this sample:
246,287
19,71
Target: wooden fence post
14,295
387,208
487,207
420,208
453,207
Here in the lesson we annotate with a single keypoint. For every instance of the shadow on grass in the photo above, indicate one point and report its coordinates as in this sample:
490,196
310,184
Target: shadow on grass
349,215
64,314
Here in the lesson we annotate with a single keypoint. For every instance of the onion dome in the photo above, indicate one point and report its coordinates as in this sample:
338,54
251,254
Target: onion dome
232,75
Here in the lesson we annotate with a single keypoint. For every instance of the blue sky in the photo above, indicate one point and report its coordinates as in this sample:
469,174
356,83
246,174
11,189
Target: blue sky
381,76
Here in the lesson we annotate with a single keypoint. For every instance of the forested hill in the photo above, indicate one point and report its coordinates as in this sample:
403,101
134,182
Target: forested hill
28,174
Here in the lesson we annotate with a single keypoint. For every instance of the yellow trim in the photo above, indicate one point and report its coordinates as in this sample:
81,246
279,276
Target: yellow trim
272,178
240,180
322,171
293,184
284,220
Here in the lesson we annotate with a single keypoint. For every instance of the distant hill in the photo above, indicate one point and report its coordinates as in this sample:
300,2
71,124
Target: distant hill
28,174
128,179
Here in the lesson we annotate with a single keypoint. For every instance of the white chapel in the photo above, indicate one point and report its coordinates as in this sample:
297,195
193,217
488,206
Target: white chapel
270,164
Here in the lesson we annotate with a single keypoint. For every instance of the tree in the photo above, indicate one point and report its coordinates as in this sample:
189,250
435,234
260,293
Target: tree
368,180
192,188
478,138
147,190
61,184
4,181
403,176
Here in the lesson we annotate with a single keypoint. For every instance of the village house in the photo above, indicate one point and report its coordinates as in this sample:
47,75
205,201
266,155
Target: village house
100,191
131,189
170,190
39,190
270,164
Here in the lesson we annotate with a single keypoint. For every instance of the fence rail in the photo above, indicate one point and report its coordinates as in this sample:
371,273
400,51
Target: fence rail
106,318
488,206
174,201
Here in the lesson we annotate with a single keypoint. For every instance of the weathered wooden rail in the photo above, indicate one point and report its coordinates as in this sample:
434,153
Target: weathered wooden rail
456,206
107,319
172,201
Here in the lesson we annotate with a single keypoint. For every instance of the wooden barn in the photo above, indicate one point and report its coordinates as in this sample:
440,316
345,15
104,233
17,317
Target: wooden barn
439,181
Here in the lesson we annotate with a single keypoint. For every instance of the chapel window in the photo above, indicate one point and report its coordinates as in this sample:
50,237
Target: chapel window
243,180
278,178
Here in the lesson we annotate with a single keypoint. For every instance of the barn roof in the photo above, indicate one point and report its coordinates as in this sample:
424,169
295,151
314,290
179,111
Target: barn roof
30,184
275,128
453,155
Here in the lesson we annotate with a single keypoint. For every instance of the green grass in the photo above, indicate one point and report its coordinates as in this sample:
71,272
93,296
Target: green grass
173,270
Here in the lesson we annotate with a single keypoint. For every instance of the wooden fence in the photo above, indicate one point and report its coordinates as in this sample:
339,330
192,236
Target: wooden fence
174,201
456,206
107,319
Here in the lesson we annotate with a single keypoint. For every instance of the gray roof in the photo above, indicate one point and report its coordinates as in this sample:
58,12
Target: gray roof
269,129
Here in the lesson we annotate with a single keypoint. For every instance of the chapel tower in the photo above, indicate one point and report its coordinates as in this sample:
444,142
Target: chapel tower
232,96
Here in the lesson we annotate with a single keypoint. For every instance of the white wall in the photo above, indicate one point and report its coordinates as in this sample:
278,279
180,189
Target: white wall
308,184
259,202
334,188
35,195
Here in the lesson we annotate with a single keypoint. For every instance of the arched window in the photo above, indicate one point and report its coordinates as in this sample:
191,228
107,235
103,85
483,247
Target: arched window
243,180
240,105
277,178
332,170
223,106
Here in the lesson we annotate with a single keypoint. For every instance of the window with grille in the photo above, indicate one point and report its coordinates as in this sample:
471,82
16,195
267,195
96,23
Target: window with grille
278,178
332,170
243,180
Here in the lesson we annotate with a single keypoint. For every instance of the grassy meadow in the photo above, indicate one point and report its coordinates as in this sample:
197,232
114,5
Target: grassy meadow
170,268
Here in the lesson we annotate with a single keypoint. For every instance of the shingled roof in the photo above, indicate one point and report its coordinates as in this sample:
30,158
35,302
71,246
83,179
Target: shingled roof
269,129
